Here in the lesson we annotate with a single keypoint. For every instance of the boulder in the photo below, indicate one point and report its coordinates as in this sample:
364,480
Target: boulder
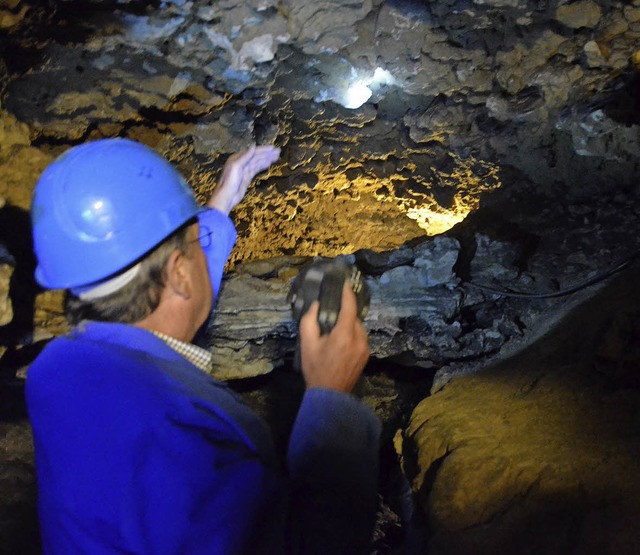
584,13
535,455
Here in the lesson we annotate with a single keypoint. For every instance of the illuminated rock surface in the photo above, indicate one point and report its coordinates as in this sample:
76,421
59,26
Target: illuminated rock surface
441,144
540,453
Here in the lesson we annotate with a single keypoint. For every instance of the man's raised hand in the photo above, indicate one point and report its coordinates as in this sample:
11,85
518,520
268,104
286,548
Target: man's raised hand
239,169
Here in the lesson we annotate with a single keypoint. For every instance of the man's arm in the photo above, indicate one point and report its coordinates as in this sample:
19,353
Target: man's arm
334,446
239,170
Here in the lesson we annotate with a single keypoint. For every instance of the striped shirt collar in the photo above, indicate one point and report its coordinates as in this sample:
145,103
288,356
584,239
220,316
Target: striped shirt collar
199,357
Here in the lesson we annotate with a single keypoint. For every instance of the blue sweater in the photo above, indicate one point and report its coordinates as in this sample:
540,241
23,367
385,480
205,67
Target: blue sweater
138,451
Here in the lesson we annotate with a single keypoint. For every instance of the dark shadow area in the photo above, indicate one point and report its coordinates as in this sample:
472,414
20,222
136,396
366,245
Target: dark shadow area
19,532
521,532
42,28
18,520
623,103
589,360
69,22
276,397
586,336
15,235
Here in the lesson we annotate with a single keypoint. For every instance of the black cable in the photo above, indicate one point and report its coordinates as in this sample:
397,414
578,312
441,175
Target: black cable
597,278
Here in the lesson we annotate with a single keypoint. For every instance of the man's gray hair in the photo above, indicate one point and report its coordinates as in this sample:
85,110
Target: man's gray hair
139,297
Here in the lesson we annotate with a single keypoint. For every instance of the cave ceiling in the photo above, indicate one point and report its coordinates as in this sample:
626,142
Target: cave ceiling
398,119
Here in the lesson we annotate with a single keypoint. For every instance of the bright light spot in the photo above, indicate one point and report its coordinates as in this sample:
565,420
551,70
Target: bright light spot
357,95
323,96
94,211
436,222
469,180
382,77
359,90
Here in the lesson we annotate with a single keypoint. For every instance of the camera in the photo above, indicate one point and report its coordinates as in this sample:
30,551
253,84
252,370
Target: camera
322,281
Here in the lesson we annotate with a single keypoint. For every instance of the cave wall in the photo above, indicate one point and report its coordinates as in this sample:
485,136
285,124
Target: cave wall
499,146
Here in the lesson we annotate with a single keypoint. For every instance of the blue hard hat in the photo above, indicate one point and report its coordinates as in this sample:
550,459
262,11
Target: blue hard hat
100,207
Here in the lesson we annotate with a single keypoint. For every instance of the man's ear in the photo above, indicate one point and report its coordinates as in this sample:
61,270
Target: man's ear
177,274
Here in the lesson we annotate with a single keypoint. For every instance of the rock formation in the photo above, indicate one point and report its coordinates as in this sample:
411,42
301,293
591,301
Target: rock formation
534,455
477,159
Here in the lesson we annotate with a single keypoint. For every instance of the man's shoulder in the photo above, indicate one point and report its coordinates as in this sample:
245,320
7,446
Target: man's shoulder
122,359
106,371
85,341
92,357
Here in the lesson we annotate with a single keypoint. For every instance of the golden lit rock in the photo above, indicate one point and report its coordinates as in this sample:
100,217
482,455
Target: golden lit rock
543,441
584,13
6,307
350,209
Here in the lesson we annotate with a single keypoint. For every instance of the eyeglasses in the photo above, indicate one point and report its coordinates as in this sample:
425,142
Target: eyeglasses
204,237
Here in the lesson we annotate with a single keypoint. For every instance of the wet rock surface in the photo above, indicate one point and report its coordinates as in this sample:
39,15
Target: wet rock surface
476,160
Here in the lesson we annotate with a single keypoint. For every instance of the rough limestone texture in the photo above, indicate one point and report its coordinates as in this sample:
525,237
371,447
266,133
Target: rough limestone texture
540,453
6,307
191,76
493,162
325,26
579,14
7,263
20,163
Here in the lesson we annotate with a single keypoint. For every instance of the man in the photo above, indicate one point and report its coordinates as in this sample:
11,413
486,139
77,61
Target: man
139,450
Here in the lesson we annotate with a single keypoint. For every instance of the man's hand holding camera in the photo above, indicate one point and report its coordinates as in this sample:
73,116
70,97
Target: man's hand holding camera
335,360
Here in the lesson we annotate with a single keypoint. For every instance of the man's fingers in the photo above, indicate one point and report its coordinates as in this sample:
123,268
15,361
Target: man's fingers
349,306
239,169
247,155
241,158
263,157
309,321
254,160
